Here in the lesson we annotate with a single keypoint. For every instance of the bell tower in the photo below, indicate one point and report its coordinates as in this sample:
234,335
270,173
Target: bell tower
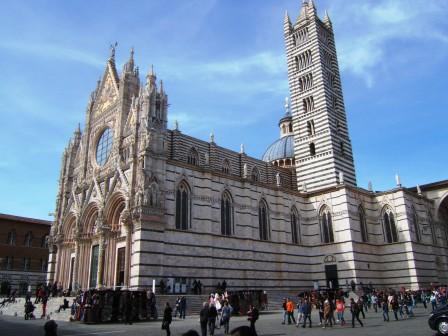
322,147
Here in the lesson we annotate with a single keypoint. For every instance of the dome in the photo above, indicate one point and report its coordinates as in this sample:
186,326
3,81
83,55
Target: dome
283,148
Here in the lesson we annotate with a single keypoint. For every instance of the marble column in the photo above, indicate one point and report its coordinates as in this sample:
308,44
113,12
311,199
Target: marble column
101,250
75,281
127,259
51,269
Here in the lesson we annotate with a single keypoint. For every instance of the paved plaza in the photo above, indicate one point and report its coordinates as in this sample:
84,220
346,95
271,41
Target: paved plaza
269,324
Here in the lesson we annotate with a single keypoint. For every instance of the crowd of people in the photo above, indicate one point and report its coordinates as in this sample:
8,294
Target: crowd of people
332,307
328,303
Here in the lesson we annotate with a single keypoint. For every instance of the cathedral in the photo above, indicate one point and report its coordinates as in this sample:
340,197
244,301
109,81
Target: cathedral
139,203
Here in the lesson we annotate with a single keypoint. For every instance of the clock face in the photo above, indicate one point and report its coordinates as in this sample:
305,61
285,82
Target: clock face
104,146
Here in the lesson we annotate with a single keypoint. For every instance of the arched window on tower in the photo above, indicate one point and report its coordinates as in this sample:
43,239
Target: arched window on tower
390,229
193,157
326,226
415,225
312,149
295,226
226,214
363,224
290,127
263,220
310,127
255,175
183,206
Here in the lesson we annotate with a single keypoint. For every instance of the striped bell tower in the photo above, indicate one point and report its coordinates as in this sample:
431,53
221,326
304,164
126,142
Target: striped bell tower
322,147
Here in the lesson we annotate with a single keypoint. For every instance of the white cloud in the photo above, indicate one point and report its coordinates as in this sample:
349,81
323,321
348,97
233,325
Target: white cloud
53,51
365,29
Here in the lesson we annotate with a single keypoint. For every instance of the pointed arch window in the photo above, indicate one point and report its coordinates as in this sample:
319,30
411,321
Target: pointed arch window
390,228
326,225
310,127
415,225
295,226
363,224
226,166
263,220
183,206
193,157
226,214
12,238
255,175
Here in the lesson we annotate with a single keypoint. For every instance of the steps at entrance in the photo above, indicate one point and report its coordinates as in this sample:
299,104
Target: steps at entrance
18,308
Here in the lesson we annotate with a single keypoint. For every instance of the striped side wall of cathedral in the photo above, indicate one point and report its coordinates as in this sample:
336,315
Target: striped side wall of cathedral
201,252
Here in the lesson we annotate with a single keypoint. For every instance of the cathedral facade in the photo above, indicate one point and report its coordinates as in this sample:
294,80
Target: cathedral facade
138,202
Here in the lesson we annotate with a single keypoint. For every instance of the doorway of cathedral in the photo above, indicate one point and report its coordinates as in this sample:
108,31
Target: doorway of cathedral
94,266
331,274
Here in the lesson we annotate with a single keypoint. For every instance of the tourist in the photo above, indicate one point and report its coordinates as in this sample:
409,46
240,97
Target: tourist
307,307
354,309
433,300
44,306
182,307
285,310
361,306
290,311
203,318
374,300
212,315
395,306
190,333
167,318
327,313
320,307
299,311
50,328
252,315
225,318
386,312
242,331
64,305
340,308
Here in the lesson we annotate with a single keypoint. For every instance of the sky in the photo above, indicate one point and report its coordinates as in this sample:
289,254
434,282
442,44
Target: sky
223,66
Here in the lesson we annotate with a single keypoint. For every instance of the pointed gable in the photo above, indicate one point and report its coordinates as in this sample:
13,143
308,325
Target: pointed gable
108,93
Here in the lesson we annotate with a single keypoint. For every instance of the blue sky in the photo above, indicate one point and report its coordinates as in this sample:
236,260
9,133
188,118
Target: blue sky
223,66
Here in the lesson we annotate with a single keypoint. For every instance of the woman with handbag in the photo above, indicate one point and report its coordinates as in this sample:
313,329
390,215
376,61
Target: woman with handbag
167,318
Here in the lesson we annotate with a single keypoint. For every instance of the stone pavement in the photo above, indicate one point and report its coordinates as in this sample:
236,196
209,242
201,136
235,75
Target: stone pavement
268,325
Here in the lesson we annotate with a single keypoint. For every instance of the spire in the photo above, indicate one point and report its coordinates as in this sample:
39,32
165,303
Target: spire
151,76
303,12
287,20
129,66
112,52
327,20
161,88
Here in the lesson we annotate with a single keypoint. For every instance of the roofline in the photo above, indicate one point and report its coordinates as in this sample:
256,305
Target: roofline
25,219
431,186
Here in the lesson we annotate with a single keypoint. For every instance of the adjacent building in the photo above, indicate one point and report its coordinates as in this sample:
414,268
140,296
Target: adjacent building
139,202
23,252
